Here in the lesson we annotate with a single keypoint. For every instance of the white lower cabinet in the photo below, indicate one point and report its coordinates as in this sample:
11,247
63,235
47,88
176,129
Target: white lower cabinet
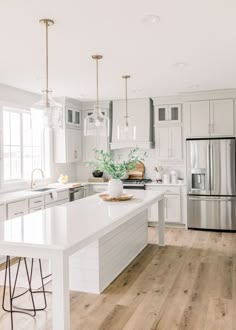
56,196
172,208
3,212
35,209
36,202
56,203
17,209
172,205
98,188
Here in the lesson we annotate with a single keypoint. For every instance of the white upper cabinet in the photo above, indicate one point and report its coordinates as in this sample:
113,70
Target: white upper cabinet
68,141
222,117
199,115
168,142
90,142
73,117
175,138
73,145
140,112
67,145
167,114
210,118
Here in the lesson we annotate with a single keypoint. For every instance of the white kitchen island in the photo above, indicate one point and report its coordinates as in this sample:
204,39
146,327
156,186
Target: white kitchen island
63,232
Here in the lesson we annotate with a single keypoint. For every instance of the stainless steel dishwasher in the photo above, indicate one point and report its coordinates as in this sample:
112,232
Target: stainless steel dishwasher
76,193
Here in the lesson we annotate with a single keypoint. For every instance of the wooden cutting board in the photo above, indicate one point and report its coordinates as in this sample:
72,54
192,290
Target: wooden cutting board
138,172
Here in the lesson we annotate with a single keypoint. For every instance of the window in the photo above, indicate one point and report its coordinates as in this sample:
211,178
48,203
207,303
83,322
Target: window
22,145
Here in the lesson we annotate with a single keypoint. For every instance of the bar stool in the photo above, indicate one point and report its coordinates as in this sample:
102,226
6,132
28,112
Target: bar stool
16,309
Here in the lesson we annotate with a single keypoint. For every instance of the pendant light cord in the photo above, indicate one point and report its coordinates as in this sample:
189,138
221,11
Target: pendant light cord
126,100
97,81
126,103
46,23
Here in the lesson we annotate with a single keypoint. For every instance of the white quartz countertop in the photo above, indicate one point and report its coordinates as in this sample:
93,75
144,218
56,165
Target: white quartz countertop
9,197
70,224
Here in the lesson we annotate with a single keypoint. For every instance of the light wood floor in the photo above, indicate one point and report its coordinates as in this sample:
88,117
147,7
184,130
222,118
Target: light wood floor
188,284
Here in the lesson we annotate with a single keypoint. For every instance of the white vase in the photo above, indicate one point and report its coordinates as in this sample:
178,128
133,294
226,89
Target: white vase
158,176
115,188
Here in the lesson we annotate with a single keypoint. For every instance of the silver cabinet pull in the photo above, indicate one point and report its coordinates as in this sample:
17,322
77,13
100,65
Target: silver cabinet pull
18,213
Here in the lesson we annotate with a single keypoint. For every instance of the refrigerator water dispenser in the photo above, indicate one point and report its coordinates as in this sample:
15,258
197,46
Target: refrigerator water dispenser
198,179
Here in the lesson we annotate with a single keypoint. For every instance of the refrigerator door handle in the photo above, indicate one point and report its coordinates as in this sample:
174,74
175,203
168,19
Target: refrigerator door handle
211,167
219,199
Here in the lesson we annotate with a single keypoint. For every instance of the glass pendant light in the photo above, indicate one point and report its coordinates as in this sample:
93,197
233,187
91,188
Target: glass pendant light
126,132
97,123
51,110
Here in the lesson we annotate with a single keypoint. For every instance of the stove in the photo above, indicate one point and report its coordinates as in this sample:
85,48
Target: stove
135,184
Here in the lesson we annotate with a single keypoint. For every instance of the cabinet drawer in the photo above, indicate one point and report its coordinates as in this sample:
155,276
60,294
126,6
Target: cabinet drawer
100,188
60,196
165,189
36,202
17,209
3,212
56,203
35,209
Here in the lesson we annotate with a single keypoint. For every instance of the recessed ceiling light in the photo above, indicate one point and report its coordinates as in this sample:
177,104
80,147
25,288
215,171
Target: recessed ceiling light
194,86
83,95
40,77
180,65
151,19
137,90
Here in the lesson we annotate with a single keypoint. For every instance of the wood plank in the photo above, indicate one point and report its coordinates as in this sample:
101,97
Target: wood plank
188,284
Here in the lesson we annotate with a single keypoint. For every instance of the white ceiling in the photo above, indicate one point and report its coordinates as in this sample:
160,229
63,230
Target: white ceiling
199,32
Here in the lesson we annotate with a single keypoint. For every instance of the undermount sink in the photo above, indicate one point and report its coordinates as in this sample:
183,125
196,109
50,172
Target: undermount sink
42,189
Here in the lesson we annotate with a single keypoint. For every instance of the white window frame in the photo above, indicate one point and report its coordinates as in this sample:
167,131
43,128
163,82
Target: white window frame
21,183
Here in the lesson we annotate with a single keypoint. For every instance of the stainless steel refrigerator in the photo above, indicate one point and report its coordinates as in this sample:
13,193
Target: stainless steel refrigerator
211,183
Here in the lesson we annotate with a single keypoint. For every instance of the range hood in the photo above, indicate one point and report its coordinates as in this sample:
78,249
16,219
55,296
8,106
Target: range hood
141,116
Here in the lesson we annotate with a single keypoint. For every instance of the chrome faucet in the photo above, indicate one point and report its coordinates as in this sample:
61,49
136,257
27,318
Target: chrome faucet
32,176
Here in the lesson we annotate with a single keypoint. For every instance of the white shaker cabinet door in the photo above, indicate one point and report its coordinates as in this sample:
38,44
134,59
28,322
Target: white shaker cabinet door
222,117
73,145
172,208
199,118
162,142
175,142
3,212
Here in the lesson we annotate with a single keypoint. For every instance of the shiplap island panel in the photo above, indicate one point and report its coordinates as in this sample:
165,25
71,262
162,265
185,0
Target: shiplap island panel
62,231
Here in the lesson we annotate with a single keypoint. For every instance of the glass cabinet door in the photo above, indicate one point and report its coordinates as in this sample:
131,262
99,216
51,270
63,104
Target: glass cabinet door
69,116
77,117
162,113
175,113
73,117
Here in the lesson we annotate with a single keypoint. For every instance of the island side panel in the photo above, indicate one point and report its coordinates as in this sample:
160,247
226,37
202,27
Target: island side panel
161,223
93,268
119,247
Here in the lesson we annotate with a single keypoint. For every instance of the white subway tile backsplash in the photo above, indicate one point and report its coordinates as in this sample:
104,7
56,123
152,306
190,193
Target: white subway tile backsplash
151,161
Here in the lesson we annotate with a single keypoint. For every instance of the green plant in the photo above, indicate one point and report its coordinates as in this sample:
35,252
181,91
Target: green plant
115,168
